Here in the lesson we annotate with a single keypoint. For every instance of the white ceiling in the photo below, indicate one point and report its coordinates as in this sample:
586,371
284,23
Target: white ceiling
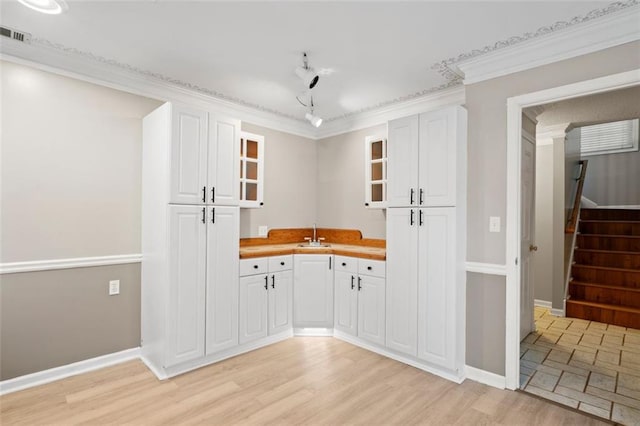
380,52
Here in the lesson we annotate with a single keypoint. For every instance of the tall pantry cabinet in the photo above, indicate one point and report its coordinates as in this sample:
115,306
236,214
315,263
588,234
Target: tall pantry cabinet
190,236
426,238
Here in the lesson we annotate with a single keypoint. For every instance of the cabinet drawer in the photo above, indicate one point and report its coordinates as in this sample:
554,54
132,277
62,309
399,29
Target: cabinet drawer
280,263
346,264
258,265
374,268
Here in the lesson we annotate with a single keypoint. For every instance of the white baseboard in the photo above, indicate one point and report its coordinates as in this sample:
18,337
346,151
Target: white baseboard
542,303
485,377
323,332
486,268
558,312
400,358
57,373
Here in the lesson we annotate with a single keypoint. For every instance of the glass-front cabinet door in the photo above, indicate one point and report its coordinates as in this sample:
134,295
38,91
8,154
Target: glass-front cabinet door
375,171
251,170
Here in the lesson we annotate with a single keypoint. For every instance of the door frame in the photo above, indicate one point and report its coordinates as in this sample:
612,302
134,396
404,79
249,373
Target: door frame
513,237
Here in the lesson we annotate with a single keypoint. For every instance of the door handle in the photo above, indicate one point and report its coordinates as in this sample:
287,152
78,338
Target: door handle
352,278
204,194
273,281
533,248
213,193
421,196
411,196
359,283
203,215
213,215
411,217
421,218
266,282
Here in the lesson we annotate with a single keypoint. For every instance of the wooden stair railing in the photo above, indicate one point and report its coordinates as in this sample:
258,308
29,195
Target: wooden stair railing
572,222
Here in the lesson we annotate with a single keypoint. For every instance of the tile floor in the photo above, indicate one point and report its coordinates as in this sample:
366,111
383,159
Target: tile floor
587,365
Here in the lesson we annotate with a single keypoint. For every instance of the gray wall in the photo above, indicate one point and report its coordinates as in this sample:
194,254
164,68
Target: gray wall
341,190
486,104
612,179
53,318
71,185
543,258
290,173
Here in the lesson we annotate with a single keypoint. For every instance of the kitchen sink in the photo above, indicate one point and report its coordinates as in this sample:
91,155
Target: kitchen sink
313,245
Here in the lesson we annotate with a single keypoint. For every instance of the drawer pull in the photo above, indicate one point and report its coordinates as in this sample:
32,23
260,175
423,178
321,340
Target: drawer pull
369,268
344,264
255,266
282,263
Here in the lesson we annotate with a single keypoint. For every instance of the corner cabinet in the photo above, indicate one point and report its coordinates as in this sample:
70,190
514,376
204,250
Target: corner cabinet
251,170
190,237
426,238
375,170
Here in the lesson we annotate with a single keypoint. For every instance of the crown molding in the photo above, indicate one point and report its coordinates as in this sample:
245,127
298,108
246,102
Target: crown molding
85,67
564,40
546,135
428,102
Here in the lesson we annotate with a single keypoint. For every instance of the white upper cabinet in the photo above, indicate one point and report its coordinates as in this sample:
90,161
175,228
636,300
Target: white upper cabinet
423,155
204,157
188,155
222,278
251,170
402,149
313,290
224,168
186,316
375,169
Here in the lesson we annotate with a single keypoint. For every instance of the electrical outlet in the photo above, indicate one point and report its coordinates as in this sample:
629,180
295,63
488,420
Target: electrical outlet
494,224
263,231
114,287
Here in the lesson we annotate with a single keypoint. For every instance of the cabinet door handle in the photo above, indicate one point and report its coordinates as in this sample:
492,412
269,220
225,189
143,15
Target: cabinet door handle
281,263
204,194
273,281
369,268
411,196
329,262
204,212
352,278
359,283
213,215
213,193
411,217
344,264
255,266
266,282
421,217
421,196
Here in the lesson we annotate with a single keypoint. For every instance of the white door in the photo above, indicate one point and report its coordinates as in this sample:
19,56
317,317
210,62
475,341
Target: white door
346,302
253,307
438,158
280,302
224,161
223,238
371,308
437,286
527,191
402,162
185,323
402,281
312,290
188,155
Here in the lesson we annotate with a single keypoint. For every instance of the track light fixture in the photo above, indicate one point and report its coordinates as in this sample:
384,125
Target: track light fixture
311,117
308,76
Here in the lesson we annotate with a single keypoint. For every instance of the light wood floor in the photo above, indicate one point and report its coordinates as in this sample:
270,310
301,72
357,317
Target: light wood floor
304,380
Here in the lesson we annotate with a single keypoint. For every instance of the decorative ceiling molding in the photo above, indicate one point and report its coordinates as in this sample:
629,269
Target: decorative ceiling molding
599,29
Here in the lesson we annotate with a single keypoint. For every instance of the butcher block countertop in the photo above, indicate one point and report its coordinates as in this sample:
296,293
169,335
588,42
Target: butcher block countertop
344,242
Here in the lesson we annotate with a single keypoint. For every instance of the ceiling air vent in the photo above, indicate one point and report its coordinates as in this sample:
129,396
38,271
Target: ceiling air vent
15,35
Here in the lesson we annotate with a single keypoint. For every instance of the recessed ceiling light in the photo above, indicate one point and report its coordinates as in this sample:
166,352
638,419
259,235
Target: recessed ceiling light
51,7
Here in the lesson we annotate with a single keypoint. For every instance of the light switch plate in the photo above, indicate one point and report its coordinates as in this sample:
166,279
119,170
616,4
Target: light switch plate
263,231
494,224
114,287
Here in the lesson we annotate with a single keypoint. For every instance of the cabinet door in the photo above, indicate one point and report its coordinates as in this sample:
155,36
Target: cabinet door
313,291
188,155
402,162
402,281
437,287
253,307
222,278
186,314
251,170
224,161
346,302
371,308
438,148
280,302
375,171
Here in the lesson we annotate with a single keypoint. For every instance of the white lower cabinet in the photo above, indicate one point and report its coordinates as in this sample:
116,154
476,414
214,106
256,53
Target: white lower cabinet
360,299
265,298
313,291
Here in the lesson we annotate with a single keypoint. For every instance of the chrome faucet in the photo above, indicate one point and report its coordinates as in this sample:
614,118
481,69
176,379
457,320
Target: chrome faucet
315,241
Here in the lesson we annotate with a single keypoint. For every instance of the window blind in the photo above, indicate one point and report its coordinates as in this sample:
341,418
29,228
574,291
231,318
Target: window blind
619,136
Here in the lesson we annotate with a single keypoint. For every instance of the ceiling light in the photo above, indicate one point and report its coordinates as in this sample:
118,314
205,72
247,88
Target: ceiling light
51,7
313,119
308,76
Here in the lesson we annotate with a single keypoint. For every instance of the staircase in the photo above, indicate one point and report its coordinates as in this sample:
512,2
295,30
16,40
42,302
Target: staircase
605,276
